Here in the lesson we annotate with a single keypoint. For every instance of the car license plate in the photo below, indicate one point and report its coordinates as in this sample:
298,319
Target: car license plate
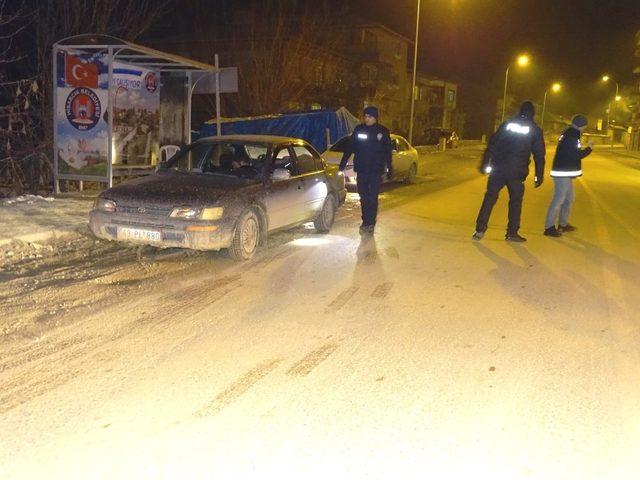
139,235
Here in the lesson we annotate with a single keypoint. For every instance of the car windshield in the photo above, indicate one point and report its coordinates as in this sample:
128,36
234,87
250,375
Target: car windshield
340,145
231,158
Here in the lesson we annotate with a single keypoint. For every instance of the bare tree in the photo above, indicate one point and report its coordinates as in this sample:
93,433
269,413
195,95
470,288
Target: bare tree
280,47
19,92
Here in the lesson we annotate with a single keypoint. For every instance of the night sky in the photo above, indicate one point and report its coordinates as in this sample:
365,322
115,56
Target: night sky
472,41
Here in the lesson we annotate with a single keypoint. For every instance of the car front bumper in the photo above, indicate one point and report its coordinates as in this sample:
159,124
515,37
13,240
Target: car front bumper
173,233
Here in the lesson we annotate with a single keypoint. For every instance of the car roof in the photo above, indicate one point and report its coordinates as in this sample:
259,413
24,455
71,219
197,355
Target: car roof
270,139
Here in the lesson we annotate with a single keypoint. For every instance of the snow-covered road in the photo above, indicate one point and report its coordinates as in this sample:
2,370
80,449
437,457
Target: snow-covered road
413,354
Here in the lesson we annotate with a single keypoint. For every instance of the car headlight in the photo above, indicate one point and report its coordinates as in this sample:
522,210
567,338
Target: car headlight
211,213
191,213
185,212
105,205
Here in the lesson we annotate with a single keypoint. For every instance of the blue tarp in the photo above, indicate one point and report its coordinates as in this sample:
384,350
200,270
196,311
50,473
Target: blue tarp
310,126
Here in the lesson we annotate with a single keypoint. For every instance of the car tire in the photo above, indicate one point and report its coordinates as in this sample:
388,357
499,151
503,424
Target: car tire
246,237
327,215
411,174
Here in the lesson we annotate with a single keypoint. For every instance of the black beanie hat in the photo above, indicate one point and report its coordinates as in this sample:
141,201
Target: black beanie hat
527,110
579,121
372,111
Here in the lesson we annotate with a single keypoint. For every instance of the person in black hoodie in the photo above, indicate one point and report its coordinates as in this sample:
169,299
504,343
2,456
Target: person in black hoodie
567,165
370,143
506,161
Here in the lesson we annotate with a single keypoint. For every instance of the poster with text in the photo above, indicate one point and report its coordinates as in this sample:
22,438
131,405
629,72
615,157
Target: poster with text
81,123
136,115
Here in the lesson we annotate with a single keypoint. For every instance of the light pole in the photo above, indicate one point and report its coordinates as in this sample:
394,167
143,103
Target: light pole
555,88
415,71
523,61
616,99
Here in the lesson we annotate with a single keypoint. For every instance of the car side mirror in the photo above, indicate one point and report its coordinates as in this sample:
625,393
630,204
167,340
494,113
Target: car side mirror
280,174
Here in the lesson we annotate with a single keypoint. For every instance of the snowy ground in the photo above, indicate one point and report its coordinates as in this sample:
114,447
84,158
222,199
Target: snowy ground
413,354
37,219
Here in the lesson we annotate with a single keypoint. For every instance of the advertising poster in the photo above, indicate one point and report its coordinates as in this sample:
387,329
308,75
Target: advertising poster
136,112
81,114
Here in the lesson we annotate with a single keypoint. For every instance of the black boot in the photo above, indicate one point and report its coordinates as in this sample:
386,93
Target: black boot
514,237
567,228
552,232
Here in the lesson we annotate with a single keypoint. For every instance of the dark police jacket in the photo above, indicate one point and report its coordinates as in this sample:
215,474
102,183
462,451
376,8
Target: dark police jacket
510,148
569,155
371,147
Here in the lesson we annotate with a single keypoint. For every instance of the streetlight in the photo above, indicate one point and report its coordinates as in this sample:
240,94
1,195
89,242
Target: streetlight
415,70
555,88
522,61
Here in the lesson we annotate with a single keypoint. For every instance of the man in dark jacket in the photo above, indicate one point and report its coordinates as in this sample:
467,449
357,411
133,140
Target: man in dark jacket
506,161
370,143
567,165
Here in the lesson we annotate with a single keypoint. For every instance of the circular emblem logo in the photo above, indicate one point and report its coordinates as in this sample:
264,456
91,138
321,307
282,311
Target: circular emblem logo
151,82
83,108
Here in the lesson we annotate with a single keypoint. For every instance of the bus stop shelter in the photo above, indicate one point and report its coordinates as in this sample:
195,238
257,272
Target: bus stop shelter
116,103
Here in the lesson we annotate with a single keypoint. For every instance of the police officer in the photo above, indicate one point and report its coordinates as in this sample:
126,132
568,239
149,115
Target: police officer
506,161
370,143
567,165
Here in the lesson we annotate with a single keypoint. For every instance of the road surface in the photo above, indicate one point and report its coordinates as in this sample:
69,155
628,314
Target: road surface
414,354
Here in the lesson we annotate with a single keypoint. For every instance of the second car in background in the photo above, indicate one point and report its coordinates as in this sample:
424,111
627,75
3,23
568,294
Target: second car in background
404,160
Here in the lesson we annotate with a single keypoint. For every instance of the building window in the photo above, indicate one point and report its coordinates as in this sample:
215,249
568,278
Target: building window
451,97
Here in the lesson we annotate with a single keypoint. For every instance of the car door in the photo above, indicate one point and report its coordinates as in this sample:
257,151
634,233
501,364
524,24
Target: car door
401,157
285,198
311,170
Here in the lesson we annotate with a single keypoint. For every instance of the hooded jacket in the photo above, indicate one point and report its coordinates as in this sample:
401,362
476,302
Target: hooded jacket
569,154
509,150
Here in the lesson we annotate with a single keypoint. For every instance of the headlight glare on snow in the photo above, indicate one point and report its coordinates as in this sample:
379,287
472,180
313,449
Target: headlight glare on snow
105,205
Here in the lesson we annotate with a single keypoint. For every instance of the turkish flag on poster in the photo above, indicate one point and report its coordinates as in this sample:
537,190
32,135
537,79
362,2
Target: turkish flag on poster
79,73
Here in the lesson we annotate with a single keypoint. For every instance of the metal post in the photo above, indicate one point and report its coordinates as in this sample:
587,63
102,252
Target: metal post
187,125
218,120
54,91
615,111
504,95
110,120
415,71
544,105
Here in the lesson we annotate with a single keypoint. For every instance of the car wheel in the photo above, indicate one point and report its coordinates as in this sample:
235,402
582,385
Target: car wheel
328,214
411,174
246,238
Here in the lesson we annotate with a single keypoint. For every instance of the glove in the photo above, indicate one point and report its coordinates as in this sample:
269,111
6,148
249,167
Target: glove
538,182
389,174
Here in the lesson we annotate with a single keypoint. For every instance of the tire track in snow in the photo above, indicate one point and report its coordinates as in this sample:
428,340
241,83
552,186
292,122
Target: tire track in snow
238,388
48,363
382,290
342,299
304,367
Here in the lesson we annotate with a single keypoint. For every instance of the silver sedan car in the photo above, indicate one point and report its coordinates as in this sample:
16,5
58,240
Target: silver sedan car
223,192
